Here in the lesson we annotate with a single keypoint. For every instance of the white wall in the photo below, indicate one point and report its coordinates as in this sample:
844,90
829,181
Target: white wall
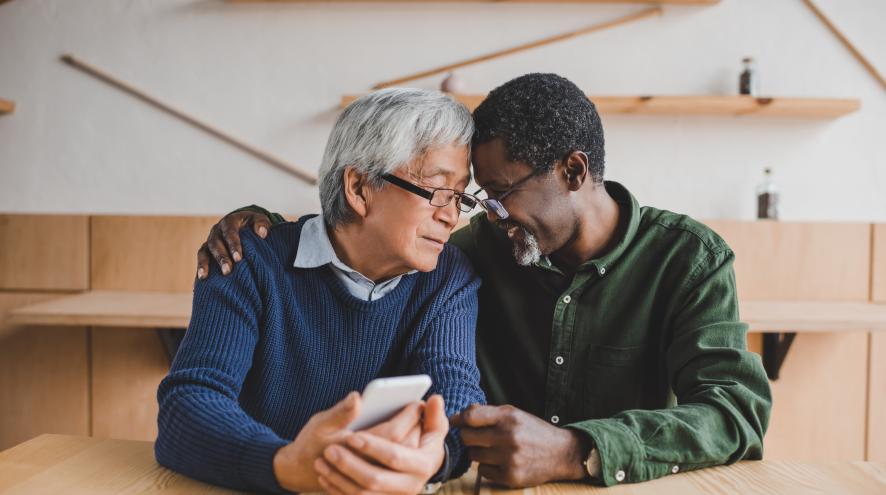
273,74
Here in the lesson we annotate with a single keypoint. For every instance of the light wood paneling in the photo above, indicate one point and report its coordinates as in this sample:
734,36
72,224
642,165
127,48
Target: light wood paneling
44,252
794,261
110,309
146,253
819,400
877,384
878,270
127,366
43,377
876,443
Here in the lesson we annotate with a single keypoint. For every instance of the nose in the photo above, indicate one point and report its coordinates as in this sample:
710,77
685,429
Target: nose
447,214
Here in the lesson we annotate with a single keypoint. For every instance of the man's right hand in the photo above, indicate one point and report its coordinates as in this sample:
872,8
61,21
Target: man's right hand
223,243
294,463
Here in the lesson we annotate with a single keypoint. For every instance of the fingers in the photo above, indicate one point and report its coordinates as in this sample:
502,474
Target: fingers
396,428
367,476
261,225
219,251
435,425
340,415
389,454
230,231
332,481
413,438
203,262
479,437
476,416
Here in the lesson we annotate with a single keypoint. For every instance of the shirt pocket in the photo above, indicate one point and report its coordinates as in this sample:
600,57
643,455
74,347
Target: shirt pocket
612,380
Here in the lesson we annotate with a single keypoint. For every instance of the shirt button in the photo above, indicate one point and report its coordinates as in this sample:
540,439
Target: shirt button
675,469
620,476
558,360
555,419
602,270
567,299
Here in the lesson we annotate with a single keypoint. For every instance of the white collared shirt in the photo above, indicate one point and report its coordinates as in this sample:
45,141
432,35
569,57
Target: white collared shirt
315,250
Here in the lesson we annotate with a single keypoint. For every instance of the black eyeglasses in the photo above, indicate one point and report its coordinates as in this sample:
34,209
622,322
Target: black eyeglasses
439,196
493,202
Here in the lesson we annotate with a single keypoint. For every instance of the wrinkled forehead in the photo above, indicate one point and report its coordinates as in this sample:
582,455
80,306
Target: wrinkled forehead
450,164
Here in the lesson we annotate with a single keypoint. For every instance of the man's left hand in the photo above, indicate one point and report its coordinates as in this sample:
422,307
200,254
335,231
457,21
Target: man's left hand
516,449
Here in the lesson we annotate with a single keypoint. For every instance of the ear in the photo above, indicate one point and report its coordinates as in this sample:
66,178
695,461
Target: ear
357,191
575,170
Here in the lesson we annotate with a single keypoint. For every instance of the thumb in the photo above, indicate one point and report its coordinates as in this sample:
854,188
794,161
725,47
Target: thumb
341,414
435,425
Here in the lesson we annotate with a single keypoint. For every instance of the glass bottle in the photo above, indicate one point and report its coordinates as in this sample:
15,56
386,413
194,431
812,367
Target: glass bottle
767,197
747,82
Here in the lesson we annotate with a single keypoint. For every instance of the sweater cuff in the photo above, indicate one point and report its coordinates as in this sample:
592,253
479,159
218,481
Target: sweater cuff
256,466
445,470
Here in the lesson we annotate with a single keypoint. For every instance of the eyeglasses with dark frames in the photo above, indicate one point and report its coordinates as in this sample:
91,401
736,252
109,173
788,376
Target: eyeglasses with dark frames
438,196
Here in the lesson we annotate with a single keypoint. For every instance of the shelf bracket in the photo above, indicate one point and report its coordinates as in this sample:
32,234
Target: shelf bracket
171,338
775,349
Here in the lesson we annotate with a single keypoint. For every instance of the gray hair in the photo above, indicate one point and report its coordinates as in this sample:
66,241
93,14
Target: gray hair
382,131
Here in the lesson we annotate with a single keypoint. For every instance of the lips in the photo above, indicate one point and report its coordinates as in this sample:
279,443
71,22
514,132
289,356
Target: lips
435,240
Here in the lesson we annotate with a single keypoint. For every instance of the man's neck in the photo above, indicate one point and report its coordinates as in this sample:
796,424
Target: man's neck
597,232
354,247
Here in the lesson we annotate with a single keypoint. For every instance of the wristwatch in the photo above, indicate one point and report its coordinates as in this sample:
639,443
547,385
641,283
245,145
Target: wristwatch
592,463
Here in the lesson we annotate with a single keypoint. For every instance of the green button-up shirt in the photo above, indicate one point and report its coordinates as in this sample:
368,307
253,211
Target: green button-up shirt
642,349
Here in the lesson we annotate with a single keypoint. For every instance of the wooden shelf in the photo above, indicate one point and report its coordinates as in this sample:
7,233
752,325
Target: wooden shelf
173,310
6,106
662,2
813,316
109,309
811,108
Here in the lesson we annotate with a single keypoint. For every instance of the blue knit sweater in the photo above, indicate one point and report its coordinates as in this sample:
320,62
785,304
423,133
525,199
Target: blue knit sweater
270,345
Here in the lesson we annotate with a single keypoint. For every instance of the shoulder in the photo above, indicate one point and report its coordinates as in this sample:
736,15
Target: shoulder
276,250
683,232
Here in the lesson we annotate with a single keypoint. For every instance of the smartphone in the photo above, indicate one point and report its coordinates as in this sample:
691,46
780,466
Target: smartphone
385,397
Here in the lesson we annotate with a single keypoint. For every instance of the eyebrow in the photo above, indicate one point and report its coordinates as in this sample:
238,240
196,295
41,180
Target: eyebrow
435,171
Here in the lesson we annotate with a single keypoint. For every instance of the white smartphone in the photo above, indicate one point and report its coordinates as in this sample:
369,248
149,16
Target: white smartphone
385,397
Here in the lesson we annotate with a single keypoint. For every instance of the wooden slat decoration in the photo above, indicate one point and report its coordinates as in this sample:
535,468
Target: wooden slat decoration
43,376
813,316
127,367
737,105
146,253
878,267
799,261
44,252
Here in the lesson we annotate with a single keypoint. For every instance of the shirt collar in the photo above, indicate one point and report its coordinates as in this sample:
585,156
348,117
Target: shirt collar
315,249
629,212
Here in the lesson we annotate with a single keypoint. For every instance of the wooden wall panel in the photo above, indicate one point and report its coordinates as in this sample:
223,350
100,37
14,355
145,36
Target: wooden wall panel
44,252
877,385
799,261
44,377
127,367
818,411
878,269
150,253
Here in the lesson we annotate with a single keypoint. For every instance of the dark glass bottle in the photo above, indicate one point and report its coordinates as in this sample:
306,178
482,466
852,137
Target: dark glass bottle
747,82
767,197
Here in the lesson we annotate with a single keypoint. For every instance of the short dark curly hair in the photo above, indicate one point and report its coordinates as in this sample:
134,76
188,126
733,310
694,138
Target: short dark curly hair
542,118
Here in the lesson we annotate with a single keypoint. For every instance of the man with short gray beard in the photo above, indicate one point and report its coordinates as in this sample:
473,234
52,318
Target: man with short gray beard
608,334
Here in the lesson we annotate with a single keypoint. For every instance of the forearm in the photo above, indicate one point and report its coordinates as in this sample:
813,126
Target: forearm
207,436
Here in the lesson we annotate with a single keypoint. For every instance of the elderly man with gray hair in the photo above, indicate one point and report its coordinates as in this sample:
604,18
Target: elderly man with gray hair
262,388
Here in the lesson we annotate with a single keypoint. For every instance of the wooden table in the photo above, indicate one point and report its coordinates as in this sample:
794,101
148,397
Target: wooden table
69,464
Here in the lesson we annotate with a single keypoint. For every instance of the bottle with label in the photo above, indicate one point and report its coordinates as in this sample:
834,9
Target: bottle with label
747,82
767,197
